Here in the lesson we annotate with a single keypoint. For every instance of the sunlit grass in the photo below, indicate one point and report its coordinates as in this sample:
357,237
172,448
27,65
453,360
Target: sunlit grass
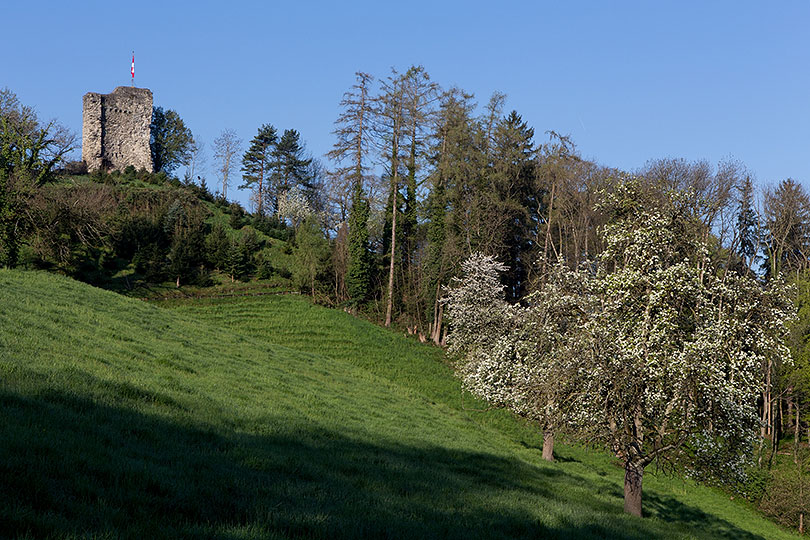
268,417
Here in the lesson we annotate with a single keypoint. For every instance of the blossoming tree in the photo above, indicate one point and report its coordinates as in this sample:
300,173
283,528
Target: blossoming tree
510,354
654,349
671,362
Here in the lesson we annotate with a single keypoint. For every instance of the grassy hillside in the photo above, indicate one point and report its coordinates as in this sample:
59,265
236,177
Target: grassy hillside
269,417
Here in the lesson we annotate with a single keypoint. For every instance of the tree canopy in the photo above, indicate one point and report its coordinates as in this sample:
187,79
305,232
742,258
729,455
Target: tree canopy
170,141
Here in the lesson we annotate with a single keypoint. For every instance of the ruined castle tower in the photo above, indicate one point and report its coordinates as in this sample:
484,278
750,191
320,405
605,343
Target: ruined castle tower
115,129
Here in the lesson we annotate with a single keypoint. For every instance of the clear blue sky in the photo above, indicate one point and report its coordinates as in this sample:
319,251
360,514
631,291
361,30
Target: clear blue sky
629,81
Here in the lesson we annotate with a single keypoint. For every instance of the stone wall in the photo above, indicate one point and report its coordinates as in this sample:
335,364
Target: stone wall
115,129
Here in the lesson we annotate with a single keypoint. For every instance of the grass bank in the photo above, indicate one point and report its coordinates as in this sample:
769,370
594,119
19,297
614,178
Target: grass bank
268,417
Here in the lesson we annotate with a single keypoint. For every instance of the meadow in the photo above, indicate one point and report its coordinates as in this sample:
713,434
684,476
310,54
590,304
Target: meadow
271,417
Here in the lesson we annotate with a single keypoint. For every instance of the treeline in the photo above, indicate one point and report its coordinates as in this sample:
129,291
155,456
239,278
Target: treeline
424,179
428,177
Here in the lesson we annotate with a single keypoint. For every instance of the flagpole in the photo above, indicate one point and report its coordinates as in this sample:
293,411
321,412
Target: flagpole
132,70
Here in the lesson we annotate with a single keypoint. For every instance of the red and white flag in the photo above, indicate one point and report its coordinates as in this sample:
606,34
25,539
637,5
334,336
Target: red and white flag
132,70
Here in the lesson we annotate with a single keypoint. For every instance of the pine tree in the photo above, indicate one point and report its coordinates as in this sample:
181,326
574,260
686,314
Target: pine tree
257,163
292,168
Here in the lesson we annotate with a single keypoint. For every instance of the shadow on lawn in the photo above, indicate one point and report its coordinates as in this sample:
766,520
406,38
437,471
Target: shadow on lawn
71,466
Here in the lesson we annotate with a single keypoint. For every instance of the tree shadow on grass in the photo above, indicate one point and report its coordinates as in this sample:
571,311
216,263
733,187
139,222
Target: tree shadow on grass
671,510
70,465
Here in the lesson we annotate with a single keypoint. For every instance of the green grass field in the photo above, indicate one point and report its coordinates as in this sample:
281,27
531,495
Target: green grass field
268,417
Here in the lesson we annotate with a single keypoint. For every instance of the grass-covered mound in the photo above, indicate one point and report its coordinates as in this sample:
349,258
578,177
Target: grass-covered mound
124,419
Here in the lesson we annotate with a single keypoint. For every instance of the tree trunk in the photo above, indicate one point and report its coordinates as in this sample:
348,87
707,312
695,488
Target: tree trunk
390,304
437,335
633,475
796,437
548,444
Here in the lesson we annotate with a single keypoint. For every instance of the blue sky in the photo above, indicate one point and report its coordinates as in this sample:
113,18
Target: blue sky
629,81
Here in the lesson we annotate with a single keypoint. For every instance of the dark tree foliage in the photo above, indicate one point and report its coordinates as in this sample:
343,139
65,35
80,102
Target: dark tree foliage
747,228
358,274
170,140
517,200
292,164
216,247
258,162
186,256
9,221
237,219
237,260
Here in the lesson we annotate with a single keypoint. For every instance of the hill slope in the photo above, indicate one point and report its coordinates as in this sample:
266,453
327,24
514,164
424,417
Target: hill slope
122,419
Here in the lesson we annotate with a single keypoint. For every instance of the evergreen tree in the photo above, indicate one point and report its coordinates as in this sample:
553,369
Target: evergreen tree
420,96
187,250
353,144
237,260
236,221
216,247
257,163
452,199
292,167
747,225
517,201
433,266
358,274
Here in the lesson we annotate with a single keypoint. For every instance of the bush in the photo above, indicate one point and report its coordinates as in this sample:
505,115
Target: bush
75,168
264,268
788,495
273,227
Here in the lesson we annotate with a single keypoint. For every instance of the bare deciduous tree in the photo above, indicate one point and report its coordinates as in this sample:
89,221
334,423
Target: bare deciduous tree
227,148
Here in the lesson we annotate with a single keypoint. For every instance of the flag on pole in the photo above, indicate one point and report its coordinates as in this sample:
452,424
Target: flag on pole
132,70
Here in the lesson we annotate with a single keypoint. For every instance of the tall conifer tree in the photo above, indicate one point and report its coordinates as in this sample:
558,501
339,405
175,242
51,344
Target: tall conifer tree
358,274
353,145
747,229
292,165
258,162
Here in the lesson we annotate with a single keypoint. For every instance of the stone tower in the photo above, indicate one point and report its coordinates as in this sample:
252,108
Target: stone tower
115,129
